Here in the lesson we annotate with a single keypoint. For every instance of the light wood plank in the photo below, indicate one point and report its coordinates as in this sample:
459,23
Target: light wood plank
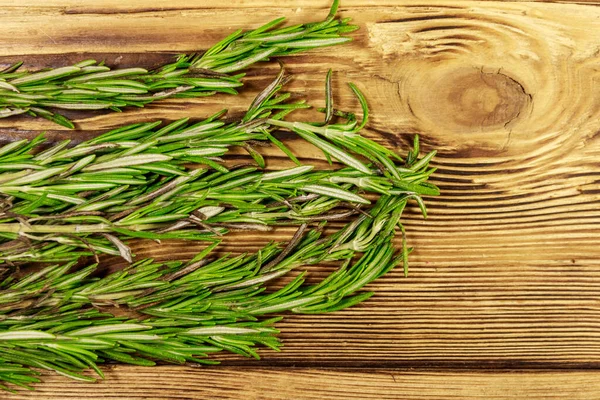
320,384
116,6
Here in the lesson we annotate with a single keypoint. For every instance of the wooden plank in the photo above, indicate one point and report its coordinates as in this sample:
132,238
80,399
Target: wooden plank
505,268
136,6
489,313
320,384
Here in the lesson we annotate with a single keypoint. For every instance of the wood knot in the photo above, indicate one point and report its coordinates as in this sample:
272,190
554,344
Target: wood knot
468,100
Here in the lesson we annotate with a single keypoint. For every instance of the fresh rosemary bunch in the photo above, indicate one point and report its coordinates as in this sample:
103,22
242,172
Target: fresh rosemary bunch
89,85
177,313
138,181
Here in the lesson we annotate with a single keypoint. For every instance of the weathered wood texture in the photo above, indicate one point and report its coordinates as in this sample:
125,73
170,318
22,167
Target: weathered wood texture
176,383
506,271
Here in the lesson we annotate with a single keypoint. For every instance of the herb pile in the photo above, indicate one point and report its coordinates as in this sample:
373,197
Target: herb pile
183,312
67,204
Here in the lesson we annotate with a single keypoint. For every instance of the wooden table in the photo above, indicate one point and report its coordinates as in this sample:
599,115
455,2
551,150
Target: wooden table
503,296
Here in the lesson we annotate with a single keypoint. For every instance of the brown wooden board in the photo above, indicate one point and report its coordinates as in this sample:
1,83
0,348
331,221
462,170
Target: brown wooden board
506,269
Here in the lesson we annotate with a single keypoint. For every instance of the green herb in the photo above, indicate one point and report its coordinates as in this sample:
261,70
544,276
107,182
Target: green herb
183,312
89,85
147,181
156,181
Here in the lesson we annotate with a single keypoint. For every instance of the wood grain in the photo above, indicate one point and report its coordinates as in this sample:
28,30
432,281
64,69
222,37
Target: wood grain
505,271
319,384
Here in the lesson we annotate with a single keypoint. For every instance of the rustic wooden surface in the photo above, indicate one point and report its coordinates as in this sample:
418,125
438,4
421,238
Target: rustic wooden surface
502,300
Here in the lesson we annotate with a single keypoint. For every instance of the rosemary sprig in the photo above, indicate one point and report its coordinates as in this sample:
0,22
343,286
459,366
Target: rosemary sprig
89,85
170,182
182,313
137,181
